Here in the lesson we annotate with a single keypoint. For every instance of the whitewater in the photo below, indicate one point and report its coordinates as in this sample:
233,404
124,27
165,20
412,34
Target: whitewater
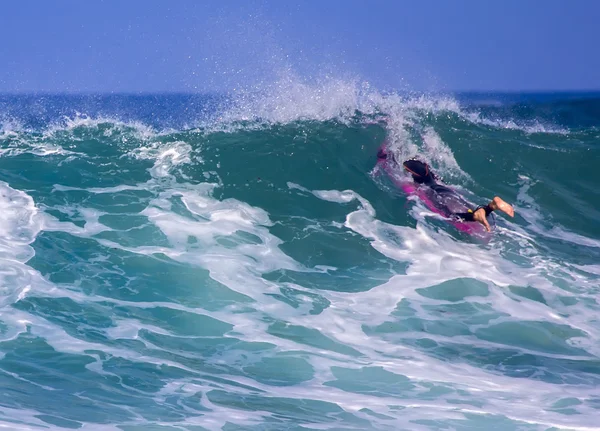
189,262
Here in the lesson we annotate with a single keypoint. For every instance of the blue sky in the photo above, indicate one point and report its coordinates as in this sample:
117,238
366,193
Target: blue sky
208,46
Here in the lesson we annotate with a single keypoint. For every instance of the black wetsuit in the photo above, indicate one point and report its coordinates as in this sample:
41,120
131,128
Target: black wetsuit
444,197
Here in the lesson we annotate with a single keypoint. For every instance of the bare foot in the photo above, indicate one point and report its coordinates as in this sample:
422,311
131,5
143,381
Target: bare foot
498,204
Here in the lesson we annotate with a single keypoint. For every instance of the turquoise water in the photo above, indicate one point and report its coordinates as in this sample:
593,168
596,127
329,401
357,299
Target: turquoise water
193,263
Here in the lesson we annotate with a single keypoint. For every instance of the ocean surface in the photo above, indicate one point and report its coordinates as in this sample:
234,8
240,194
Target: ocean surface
186,262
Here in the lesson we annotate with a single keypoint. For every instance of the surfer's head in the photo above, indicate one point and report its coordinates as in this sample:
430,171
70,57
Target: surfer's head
419,170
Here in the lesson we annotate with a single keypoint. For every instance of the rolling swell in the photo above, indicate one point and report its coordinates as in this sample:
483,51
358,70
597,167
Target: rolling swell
256,272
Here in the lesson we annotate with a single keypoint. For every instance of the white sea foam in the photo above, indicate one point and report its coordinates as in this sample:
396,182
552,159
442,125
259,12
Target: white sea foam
529,128
167,156
115,126
440,155
23,141
291,98
20,224
212,219
10,127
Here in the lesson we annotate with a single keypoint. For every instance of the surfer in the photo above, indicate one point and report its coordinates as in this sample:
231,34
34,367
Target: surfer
449,203
422,174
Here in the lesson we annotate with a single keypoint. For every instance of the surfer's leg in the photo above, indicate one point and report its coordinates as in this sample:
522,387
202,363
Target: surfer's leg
481,213
498,204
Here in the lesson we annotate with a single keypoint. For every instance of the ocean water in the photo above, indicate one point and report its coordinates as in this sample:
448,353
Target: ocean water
179,262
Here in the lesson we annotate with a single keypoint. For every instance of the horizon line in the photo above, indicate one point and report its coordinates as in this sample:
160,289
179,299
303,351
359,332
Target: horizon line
225,93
